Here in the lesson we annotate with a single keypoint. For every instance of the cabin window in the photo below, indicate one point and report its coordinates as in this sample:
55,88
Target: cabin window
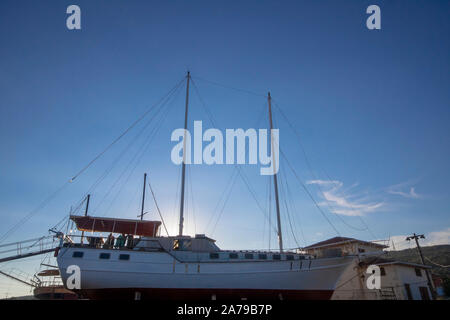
289,257
78,254
382,271
262,256
124,257
249,256
418,272
182,244
276,257
214,255
302,257
360,250
234,256
104,256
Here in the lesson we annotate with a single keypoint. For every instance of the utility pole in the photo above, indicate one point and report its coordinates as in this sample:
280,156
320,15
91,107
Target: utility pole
85,214
275,181
183,167
143,198
416,237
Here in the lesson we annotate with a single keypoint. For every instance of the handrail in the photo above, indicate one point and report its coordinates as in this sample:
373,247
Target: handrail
39,244
25,241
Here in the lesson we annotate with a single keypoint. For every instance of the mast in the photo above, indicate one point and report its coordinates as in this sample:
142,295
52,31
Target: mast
143,198
85,214
275,181
183,167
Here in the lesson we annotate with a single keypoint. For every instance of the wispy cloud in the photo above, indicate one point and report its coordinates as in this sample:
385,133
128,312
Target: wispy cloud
399,189
431,239
411,194
343,203
325,182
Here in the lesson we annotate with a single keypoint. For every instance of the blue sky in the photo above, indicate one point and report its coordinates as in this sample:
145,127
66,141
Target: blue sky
371,108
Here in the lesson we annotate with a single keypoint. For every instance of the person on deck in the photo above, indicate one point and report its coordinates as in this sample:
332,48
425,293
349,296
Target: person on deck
91,241
120,242
109,244
130,241
99,242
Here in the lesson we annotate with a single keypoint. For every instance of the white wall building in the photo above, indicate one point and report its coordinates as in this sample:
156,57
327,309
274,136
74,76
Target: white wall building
399,280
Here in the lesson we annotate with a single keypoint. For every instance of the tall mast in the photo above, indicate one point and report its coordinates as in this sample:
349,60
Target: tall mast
85,214
143,198
275,181
183,167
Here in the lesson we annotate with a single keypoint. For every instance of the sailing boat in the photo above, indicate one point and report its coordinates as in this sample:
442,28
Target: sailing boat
184,267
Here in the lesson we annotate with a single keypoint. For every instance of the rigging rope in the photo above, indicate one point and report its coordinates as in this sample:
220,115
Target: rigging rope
141,151
284,186
241,174
32,213
116,160
191,193
331,209
309,194
54,194
283,179
125,132
287,210
229,87
224,203
157,207
293,206
222,196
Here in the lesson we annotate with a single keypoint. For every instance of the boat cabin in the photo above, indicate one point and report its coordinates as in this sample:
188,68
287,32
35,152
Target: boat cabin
141,235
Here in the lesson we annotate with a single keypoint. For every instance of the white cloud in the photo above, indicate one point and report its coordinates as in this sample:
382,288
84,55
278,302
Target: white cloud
340,203
431,239
397,190
325,182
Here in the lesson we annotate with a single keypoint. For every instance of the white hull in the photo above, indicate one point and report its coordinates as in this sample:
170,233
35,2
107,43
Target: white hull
161,271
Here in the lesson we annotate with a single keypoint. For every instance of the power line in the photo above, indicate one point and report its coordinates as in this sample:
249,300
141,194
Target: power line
437,264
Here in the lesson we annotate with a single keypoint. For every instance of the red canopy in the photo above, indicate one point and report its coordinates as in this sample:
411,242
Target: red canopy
126,226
